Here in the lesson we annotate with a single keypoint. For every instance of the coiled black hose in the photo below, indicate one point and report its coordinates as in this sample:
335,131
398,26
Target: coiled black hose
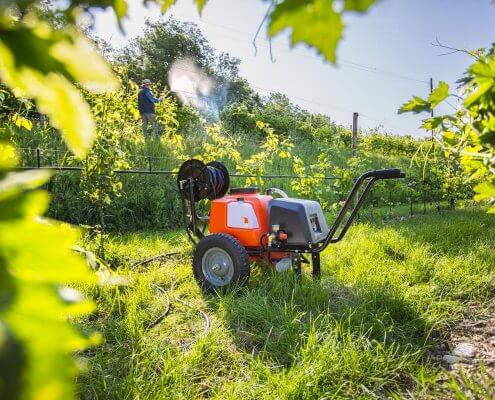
217,179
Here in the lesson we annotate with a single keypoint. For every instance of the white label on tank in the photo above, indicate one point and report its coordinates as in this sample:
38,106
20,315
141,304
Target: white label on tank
241,215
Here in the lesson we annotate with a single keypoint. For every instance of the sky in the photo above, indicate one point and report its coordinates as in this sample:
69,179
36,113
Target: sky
386,56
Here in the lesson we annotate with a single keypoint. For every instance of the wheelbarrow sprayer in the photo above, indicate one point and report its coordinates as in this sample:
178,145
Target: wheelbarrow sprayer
246,226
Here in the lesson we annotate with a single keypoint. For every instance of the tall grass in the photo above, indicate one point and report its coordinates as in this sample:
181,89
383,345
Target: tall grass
387,297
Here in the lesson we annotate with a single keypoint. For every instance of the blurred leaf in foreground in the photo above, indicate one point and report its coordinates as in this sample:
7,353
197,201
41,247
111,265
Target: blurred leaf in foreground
40,63
314,22
36,340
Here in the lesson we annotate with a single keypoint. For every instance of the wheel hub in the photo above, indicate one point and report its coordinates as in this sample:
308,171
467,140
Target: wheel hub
217,266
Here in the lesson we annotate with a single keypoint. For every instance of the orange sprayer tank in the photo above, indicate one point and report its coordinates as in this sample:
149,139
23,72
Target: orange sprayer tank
242,215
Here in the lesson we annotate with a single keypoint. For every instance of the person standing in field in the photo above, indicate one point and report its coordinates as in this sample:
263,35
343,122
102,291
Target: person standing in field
146,105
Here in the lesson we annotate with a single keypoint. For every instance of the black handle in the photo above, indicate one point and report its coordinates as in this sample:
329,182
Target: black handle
392,173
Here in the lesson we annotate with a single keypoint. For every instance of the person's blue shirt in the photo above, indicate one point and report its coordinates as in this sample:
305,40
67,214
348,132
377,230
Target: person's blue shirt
146,101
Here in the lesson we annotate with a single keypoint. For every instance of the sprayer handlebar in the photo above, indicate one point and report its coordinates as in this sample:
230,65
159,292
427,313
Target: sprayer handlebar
392,173
370,177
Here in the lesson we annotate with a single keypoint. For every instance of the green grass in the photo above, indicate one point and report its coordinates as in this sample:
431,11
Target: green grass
387,296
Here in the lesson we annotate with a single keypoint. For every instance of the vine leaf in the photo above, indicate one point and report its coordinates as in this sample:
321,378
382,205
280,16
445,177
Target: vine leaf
13,182
40,63
200,4
120,8
67,111
358,5
439,94
415,105
35,259
485,191
74,48
484,80
22,122
166,4
450,138
478,93
435,122
314,22
418,104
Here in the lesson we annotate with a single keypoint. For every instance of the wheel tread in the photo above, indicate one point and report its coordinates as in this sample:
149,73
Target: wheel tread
236,250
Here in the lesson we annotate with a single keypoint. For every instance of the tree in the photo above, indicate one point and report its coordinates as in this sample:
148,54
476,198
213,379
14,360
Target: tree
163,42
167,41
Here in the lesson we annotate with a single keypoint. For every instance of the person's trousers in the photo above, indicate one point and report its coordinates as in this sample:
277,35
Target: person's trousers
149,117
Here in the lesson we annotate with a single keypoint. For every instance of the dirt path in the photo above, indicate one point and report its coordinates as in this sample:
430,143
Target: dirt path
469,355
475,335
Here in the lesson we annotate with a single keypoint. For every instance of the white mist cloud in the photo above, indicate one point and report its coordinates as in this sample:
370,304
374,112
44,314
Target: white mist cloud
196,88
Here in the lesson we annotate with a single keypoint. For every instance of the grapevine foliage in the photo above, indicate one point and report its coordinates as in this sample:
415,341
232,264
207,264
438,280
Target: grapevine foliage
36,261
469,132
273,149
36,265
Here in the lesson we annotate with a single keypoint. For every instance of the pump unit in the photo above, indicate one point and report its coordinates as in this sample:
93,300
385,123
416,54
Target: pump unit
302,220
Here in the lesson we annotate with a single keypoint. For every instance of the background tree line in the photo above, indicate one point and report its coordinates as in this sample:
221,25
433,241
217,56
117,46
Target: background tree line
323,146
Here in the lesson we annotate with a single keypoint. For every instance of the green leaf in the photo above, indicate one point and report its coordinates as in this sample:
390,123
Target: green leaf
8,157
20,205
12,360
450,138
483,68
358,5
44,68
478,93
31,51
488,138
313,22
120,8
439,94
14,182
415,105
67,111
484,190
22,122
166,4
483,72
56,97
435,122
200,4
35,260
74,48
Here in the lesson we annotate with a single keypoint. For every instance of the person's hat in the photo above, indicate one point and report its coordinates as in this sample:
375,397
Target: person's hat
145,82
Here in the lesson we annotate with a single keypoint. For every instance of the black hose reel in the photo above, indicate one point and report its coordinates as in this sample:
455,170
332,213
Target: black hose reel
198,181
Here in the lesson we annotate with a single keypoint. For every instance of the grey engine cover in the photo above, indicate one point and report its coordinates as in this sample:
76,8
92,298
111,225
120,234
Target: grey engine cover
302,220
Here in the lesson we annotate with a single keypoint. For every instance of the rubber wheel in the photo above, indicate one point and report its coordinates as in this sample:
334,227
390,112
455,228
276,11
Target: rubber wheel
220,261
